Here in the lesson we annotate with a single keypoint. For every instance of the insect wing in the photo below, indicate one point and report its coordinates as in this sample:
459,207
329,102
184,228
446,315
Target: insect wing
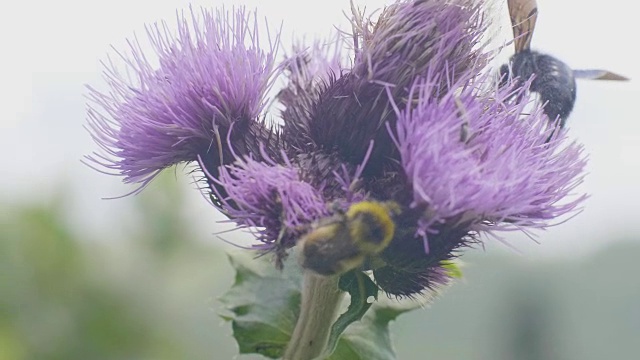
598,74
523,14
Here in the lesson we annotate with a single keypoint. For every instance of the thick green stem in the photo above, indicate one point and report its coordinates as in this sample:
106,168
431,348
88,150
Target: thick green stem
318,310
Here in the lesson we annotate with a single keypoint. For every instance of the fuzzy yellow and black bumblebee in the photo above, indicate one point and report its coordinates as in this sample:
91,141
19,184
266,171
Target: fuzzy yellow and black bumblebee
346,240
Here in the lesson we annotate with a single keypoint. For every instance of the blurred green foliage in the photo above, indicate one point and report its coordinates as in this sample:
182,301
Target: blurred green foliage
152,295
146,297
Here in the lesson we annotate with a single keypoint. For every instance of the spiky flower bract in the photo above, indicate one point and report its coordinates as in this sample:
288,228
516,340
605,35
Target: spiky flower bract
414,120
308,70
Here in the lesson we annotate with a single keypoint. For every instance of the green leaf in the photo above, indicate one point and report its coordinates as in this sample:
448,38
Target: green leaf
263,304
360,287
369,338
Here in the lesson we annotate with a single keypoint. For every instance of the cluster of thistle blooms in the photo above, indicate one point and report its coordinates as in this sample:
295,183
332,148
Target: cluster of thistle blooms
415,118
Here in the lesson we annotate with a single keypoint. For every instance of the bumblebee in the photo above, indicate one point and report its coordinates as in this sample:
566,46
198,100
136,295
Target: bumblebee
345,241
554,80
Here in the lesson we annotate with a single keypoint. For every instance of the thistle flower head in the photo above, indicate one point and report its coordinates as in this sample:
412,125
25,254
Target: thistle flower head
414,121
308,70
411,38
472,154
211,76
270,196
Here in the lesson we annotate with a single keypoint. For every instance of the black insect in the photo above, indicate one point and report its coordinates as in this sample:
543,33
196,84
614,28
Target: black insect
554,80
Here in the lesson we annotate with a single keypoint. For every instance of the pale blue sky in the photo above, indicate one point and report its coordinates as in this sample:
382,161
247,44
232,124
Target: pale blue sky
52,48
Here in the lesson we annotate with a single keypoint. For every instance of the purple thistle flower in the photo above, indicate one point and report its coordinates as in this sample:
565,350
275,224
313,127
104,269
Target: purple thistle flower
211,78
271,197
413,38
409,40
474,157
473,163
413,121
308,70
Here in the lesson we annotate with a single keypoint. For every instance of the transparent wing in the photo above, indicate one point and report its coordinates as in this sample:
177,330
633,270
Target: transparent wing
598,74
523,14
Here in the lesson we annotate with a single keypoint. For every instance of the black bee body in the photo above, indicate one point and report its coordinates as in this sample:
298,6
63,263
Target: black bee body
554,81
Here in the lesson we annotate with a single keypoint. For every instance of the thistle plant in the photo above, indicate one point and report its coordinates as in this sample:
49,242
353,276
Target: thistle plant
386,159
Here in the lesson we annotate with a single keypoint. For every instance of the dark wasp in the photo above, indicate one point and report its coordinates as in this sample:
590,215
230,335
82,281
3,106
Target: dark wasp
554,81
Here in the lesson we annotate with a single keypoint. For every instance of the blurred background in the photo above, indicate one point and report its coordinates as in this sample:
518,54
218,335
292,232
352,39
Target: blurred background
138,277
